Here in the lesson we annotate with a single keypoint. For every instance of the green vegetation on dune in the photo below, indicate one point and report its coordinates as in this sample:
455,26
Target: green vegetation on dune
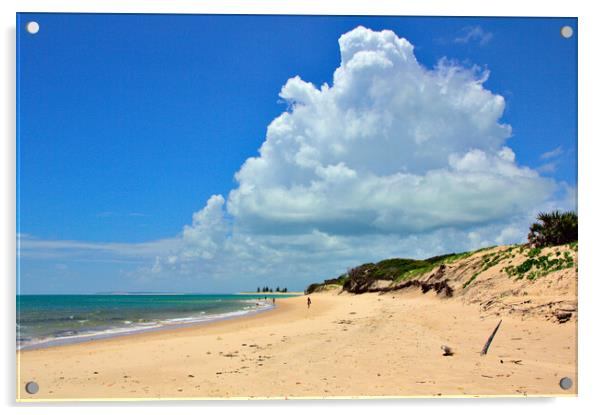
474,277
394,269
491,260
432,263
390,269
399,269
538,265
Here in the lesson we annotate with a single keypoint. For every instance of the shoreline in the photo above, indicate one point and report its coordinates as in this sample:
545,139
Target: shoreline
77,334
334,349
162,326
219,323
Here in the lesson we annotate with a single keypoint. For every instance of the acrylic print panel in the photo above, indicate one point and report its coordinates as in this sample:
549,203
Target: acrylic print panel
295,206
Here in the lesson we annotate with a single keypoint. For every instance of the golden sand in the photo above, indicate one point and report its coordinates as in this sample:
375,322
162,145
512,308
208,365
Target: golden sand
343,346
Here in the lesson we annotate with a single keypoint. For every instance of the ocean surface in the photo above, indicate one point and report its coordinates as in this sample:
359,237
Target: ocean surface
46,320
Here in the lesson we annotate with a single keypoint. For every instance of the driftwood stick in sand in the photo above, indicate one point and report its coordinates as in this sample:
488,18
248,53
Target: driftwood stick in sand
490,339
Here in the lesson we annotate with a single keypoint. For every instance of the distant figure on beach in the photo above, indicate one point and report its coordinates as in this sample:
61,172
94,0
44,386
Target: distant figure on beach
274,300
308,302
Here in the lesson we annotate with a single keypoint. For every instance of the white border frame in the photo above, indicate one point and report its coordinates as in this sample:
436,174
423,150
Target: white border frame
590,349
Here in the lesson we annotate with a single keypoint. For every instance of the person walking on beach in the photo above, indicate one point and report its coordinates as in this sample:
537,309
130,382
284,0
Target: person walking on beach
308,302
274,300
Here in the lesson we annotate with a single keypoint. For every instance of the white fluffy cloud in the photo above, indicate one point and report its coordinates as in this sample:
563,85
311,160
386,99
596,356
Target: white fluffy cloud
390,147
391,159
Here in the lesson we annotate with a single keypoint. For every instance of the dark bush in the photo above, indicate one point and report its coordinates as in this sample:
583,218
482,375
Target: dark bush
554,228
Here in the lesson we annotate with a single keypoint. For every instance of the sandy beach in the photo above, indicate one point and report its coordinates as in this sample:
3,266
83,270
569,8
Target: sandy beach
382,345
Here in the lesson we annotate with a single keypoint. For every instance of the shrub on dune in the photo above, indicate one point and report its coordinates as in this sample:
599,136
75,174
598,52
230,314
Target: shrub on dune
554,228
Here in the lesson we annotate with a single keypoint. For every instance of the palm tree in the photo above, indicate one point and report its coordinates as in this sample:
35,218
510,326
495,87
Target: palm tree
554,228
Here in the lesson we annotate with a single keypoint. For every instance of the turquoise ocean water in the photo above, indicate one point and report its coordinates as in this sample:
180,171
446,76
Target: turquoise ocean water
46,320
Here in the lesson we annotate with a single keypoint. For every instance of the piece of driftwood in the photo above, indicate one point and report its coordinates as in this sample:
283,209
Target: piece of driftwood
490,339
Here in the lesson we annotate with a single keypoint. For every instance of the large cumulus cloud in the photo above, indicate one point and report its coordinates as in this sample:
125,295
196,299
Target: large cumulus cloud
390,147
392,158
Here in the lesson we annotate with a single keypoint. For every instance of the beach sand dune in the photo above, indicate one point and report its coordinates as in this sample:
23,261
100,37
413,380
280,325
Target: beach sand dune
345,345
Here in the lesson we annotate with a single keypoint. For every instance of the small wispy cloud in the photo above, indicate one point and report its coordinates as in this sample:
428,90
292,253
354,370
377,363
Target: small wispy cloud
474,34
31,247
547,168
552,153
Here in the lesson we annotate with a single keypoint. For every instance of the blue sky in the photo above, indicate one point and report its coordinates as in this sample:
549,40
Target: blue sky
128,124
